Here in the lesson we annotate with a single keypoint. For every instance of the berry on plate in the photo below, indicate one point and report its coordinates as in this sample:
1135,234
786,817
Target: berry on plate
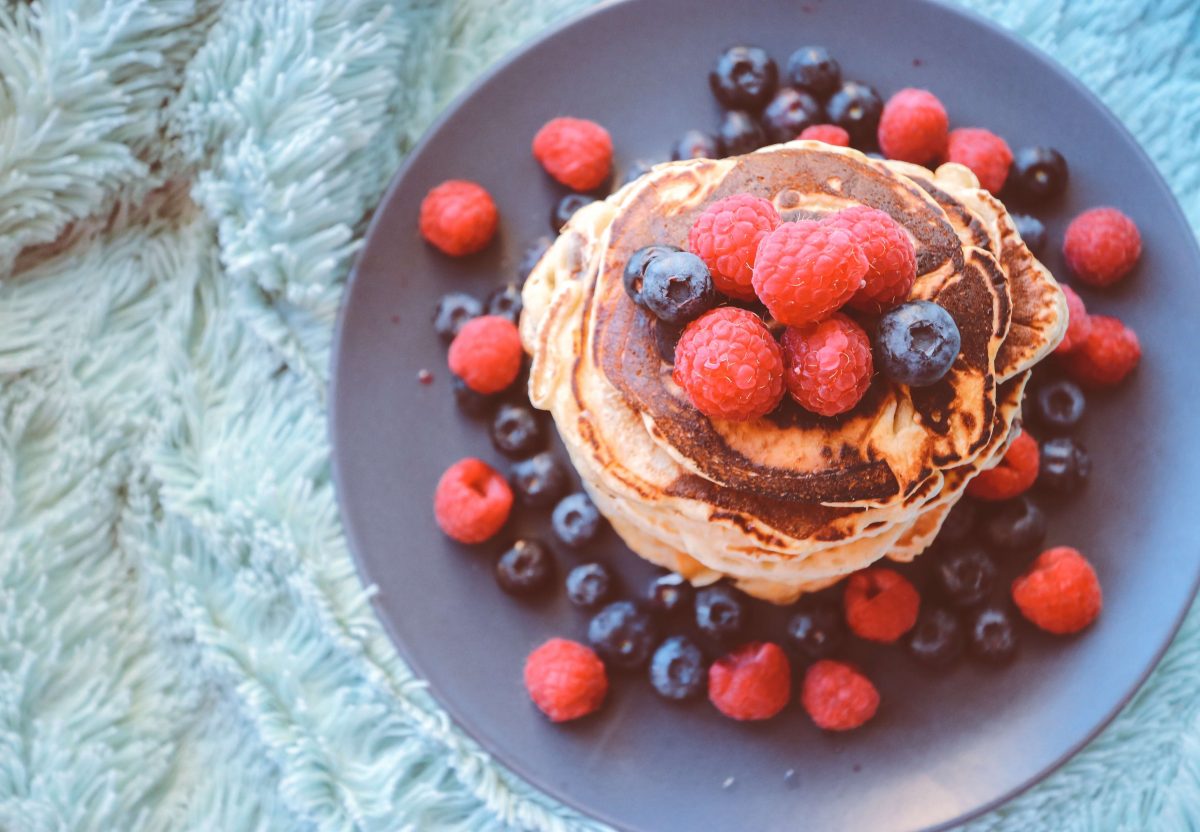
677,669
472,501
937,639
744,78
565,208
856,108
729,365
1102,246
828,133
588,584
740,133
828,364
985,153
1038,173
458,217
917,343
1110,352
881,604
516,431
575,519
1079,323
914,126
565,679
991,634
805,271
1060,593
1059,405
452,313
677,287
726,236
526,568
817,629
1014,475
811,68
719,611
622,634
966,576
670,593
575,151
1066,466
695,144
1032,231
837,696
891,258
753,682
486,354
959,524
505,302
475,405
635,268
540,480
789,113
1016,526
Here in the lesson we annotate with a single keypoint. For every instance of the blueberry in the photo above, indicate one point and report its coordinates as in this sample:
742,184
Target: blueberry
1060,405
790,111
526,568
638,169
817,629
566,208
622,634
677,288
695,144
959,523
575,519
1015,526
1038,173
1032,232
937,639
677,670
992,635
966,577
666,338
916,343
740,133
719,611
475,405
452,313
743,78
669,593
505,302
531,256
856,108
1064,467
539,481
635,268
588,584
812,69
516,431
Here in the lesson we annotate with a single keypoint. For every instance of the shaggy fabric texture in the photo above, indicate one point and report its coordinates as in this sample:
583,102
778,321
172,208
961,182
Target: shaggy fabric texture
184,643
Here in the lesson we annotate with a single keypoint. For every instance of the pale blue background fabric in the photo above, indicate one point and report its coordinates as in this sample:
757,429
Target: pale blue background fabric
184,643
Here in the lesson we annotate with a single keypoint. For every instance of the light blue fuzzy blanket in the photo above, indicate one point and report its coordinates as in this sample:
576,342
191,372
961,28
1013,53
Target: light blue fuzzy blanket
184,643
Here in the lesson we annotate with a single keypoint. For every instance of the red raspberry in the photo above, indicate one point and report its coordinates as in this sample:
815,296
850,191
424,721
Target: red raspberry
1013,476
1079,325
1060,593
891,258
486,354
729,365
913,126
458,217
986,154
1108,354
828,364
565,679
1101,246
575,151
805,271
881,604
752,682
838,697
828,133
726,237
472,501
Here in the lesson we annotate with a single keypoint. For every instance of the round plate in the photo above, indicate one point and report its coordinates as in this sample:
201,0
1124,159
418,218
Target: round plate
944,746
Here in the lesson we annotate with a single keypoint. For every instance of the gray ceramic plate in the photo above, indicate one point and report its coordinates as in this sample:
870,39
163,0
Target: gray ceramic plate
944,747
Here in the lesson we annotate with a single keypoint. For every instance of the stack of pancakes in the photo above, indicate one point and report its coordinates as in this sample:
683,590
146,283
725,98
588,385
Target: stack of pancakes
792,502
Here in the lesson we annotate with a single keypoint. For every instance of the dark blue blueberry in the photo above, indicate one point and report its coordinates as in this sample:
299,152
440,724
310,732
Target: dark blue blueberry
817,629
635,269
1064,467
856,108
677,288
695,144
916,343
719,611
670,593
666,338
1015,526
475,405
937,638
588,584
539,481
1060,405
677,670
452,313
622,634
812,69
743,78
966,576
531,256
526,568
1038,173
740,133
516,431
992,635
575,519
638,169
505,302
790,111
566,208
1032,232
959,523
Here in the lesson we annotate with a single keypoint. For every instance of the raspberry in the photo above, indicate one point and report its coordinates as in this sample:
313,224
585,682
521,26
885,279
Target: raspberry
986,154
913,126
486,354
575,151
565,679
838,697
1060,593
1101,246
1079,325
828,133
881,604
805,271
729,365
828,364
726,237
458,217
1108,354
472,501
891,258
752,682
1014,475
